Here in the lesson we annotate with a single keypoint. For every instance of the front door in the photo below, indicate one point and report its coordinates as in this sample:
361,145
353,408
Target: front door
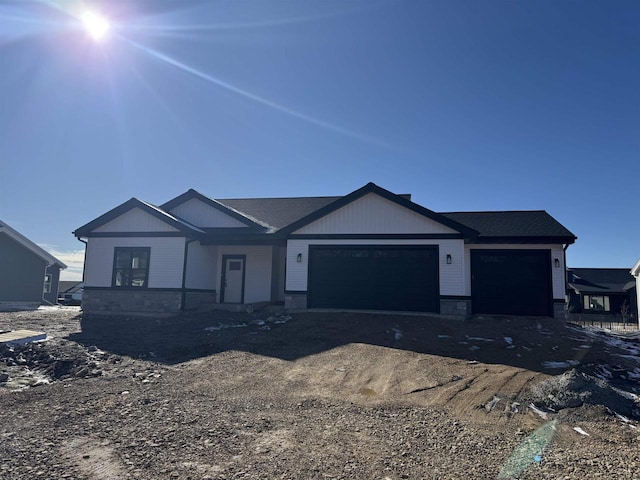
232,279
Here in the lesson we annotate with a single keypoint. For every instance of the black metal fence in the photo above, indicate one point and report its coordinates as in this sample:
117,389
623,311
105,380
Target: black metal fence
617,323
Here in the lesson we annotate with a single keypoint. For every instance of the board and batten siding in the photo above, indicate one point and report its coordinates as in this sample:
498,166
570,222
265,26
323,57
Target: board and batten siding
452,276
373,214
257,283
135,220
202,266
200,214
556,251
165,262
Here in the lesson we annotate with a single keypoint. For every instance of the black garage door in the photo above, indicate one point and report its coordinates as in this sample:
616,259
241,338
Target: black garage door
376,278
516,282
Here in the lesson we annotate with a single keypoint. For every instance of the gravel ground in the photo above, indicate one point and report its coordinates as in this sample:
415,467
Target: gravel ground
314,395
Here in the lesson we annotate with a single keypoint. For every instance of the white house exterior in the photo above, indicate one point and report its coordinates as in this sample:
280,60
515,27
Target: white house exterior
370,249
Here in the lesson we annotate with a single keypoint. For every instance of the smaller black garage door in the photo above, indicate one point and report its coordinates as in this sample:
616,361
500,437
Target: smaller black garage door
511,282
374,277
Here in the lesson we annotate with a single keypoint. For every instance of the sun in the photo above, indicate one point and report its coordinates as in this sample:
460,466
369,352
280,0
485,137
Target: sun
96,25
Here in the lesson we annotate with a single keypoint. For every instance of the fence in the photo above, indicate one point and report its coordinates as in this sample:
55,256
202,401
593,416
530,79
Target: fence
611,322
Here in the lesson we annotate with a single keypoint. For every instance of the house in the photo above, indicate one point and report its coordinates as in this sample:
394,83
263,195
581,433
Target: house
70,292
604,291
28,274
635,271
370,249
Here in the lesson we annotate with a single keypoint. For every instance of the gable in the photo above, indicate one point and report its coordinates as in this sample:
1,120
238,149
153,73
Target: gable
135,220
373,214
203,215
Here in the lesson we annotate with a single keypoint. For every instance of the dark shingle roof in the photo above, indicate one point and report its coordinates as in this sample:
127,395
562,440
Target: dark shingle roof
611,280
278,212
513,224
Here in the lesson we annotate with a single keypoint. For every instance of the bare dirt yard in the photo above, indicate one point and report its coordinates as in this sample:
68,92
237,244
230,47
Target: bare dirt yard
316,395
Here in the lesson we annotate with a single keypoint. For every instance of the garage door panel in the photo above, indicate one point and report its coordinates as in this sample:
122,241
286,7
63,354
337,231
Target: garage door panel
389,278
516,282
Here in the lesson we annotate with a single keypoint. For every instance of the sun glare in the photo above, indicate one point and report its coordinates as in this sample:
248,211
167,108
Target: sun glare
96,25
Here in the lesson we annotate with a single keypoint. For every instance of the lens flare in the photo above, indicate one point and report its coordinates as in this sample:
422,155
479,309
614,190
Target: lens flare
96,25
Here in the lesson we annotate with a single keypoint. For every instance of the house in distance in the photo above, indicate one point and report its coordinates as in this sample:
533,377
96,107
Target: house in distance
29,275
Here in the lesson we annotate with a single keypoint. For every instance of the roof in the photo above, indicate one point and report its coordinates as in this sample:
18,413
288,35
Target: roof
130,204
373,188
600,280
287,214
68,286
28,244
514,225
242,216
278,212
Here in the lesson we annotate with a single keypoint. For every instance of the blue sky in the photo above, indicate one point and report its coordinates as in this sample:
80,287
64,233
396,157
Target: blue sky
468,105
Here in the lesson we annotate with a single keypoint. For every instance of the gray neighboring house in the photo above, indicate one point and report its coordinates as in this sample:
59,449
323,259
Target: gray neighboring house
29,274
370,249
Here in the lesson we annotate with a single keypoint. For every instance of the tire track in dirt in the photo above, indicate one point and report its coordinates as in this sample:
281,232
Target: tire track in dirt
96,459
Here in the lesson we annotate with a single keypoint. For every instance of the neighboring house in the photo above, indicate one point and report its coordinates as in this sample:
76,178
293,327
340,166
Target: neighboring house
635,271
605,291
370,249
70,292
28,274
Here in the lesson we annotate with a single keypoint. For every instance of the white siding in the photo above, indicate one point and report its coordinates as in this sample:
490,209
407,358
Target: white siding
136,220
374,214
257,285
452,276
200,214
202,266
165,262
557,274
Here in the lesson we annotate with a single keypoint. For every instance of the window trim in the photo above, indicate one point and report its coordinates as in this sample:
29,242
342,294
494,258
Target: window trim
115,263
49,283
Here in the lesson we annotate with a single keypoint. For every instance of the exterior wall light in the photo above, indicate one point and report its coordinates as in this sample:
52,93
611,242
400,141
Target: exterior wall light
448,259
556,262
299,258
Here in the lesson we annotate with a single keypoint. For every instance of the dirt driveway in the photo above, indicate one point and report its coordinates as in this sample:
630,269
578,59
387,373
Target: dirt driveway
313,395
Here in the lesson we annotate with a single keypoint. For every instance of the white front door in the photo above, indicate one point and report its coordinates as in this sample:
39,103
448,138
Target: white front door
233,279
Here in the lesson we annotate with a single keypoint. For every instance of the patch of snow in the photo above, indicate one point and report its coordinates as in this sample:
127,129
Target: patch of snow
444,336
491,404
580,431
397,333
473,348
541,413
565,364
508,340
622,417
480,339
224,325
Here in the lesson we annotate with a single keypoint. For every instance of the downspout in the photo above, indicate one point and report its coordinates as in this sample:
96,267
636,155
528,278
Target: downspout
84,266
84,260
564,282
183,300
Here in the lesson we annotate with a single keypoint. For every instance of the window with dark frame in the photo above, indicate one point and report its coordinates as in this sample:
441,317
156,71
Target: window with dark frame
597,303
131,267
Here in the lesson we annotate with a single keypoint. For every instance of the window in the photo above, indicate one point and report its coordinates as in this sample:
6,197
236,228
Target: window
47,283
597,303
131,267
